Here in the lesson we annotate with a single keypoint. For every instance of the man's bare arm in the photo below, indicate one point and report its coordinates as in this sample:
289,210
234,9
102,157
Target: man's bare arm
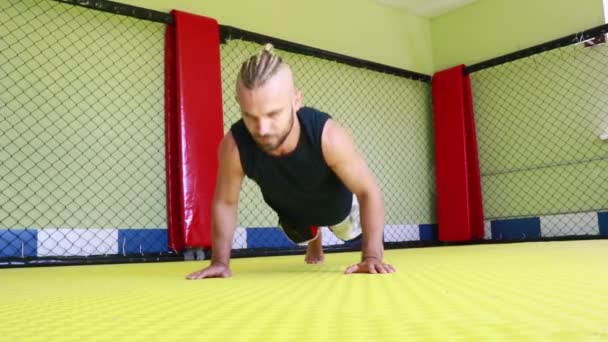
224,210
349,165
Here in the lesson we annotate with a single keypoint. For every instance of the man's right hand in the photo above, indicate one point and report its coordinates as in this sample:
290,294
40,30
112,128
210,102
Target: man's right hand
213,271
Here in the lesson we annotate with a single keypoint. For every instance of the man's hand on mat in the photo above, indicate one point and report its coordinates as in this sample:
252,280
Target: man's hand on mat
370,266
213,271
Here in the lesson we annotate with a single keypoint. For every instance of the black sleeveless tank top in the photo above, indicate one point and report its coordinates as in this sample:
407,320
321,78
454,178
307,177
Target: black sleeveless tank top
299,186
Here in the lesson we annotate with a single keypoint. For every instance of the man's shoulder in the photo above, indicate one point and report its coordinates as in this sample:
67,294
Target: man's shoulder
237,125
312,111
313,119
313,123
228,145
230,155
240,133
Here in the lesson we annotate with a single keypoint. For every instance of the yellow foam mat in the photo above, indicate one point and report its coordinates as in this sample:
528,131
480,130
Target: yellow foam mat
513,292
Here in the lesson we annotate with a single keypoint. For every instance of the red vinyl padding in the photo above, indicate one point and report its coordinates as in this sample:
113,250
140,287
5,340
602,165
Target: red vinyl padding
195,128
474,175
174,203
459,205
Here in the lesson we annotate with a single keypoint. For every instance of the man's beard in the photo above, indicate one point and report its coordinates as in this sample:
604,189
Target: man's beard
272,145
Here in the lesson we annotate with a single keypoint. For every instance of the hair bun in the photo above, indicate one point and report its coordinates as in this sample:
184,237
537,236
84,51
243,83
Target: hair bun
268,47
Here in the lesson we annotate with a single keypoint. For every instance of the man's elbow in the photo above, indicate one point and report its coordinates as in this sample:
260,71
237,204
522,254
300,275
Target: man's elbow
371,192
224,204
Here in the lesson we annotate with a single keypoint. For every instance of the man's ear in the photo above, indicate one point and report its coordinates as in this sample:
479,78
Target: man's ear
297,99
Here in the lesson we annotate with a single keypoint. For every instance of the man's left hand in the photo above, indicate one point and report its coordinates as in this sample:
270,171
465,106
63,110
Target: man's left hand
370,266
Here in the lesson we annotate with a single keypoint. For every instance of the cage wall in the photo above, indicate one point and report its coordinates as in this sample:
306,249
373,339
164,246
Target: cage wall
82,131
539,121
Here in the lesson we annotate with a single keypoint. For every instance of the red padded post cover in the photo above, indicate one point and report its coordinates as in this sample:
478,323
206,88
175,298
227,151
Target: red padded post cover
459,205
199,126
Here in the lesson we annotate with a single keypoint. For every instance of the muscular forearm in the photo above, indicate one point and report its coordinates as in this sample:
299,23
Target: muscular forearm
372,222
224,224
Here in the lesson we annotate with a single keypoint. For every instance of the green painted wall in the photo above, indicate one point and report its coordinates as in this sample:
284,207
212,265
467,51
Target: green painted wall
538,125
361,29
84,114
390,117
381,111
490,28
81,118
538,119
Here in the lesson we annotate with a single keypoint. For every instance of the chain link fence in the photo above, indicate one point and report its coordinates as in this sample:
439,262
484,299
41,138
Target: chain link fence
82,133
82,129
389,117
82,171
540,122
